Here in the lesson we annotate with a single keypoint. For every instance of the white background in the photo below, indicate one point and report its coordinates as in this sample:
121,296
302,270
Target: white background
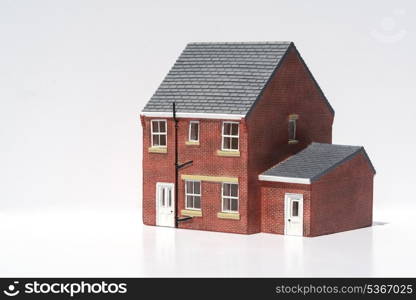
74,76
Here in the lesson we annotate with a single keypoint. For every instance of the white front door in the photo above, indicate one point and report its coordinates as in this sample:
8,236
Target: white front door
294,214
165,204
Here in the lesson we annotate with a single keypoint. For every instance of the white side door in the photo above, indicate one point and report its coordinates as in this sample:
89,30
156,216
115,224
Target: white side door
165,204
294,214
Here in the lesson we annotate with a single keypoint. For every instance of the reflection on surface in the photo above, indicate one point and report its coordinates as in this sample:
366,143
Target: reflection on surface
182,252
124,247
293,254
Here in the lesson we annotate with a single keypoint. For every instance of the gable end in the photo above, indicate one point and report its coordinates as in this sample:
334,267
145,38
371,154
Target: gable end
321,93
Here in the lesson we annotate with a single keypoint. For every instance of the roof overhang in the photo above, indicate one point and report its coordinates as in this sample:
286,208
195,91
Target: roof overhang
192,115
284,179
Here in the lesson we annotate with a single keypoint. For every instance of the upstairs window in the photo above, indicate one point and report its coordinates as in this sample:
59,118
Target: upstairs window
292,128
230,136
194,131
193,195
159,133
230,197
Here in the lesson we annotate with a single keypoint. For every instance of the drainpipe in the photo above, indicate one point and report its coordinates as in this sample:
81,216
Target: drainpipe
176,163
177,168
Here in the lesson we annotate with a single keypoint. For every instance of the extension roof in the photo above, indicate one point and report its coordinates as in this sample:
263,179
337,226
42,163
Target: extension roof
313,162
219,78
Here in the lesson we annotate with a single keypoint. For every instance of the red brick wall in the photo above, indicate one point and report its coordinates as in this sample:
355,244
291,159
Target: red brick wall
160,168
343,199
156,168
273,206
290,91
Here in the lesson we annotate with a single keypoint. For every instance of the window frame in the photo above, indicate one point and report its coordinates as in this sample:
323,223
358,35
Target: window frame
292,124
158,133
190,131
193,194
293,121
223,136
230,197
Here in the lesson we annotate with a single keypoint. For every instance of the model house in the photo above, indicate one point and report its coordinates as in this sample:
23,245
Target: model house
238,138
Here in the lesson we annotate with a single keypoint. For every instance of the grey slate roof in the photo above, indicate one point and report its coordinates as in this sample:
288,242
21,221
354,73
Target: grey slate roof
315,160
224,78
